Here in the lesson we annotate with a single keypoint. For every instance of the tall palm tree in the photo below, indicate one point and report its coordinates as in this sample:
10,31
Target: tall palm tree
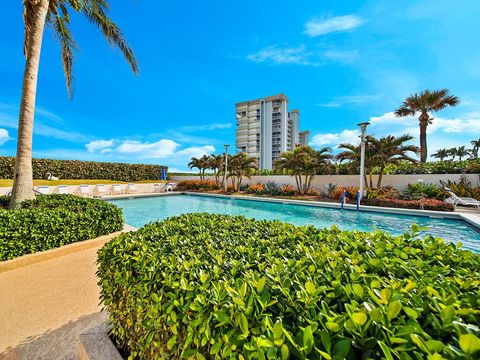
424,103
216,163
240,165
303,163
351,153
55,13
441,154
391,150
462,152
476,147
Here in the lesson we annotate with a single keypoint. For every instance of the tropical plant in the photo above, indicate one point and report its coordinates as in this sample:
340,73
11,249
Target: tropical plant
303,163
424,103
272,188
241,165
462,187
421,189
196,163
287,190
56,14
441,154
201,286
475,148
461,152
452,152
257,189
197,185
391,150
351,153
217,164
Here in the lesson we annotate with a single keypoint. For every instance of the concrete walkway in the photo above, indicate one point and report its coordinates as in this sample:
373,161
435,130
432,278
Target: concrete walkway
46,304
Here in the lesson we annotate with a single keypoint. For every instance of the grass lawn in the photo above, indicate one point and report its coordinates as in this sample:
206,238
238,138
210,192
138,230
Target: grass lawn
8,182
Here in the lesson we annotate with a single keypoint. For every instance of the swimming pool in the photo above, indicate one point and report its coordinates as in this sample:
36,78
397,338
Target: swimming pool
140,211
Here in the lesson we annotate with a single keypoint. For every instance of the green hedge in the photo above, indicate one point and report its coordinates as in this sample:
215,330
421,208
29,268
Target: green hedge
51,221
214,286
76,169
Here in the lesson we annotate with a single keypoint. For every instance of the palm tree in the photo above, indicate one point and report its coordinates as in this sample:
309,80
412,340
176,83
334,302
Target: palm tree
476,147
196,163
391,150
55,13
303,163
452,152
216,163
441,154
351,154
461,152
240,165
425,102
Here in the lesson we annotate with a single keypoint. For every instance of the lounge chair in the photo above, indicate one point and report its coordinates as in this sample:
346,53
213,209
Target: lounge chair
101,190
159,187
84,190
43,190
131,189
117,189
63,189
171,186
460,200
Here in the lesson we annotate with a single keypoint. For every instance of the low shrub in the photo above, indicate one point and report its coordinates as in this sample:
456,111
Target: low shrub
422,204
197,185
214,286
352,192
420,189
287,190
51,221
76,169
272,188
387,192
257,189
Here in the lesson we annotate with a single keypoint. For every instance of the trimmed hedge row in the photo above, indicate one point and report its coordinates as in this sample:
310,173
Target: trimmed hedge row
423,204
76,169
51,221
213,286
197,185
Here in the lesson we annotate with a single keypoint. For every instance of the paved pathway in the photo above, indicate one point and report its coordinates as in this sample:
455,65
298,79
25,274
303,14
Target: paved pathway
45,305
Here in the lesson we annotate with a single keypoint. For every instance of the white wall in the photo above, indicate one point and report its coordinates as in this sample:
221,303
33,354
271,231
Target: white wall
397,181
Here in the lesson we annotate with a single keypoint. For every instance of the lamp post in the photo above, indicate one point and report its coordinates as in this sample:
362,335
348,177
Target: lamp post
226,167
363,127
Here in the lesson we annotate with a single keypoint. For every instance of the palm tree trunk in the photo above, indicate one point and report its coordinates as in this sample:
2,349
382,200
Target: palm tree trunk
380,176
23,178
423,136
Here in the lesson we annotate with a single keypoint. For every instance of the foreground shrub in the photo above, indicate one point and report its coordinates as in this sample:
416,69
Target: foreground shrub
197,185
51,221
214,286
75,169
422,204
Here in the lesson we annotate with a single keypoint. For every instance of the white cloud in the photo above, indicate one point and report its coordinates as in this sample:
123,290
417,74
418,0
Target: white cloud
101,145
344,56
278,56
134,149
4,136
346,136
354,100
326,25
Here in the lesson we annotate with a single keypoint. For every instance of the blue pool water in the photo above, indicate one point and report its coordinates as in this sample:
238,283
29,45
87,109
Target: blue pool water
140,211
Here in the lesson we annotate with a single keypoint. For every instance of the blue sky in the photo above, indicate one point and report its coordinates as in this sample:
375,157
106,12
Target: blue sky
339,62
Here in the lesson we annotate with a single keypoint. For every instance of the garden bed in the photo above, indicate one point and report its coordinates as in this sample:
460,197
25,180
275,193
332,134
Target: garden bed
51,221
214,286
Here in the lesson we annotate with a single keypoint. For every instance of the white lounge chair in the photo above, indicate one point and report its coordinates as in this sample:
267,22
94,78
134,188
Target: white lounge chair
84,190
460,200
131,189
43,190
101,190
159,187
117,189
63,189
171,186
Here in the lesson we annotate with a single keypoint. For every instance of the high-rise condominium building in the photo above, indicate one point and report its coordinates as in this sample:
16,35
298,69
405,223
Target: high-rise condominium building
265,128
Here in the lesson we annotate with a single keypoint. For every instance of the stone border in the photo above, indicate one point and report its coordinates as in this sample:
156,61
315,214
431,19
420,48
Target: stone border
41,256
97,345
